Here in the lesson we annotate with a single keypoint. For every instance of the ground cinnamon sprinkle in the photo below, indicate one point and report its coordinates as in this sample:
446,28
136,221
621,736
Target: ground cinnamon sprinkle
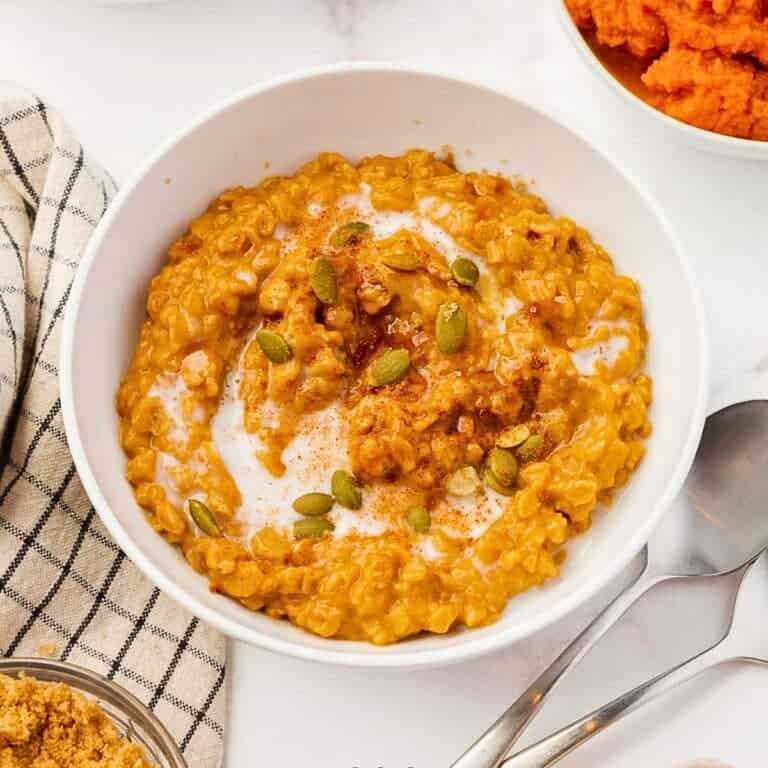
49,725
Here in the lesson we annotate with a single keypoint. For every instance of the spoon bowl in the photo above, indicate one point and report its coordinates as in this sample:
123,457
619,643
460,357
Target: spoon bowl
727,490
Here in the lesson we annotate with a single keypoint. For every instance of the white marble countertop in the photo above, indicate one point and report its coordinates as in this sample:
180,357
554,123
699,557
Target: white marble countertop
126,76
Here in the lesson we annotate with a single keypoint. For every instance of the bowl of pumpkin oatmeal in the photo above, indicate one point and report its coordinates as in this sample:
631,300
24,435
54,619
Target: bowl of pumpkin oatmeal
698,69
396,391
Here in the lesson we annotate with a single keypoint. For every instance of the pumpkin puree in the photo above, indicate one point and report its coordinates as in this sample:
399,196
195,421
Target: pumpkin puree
704,61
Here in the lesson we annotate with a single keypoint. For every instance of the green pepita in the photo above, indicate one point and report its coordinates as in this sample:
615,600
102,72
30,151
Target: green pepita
530,449
503,464
493,482
313,504
390,367
462,482
465,272
419,519
405,261
346,490
450,327
312,527
349,233
273,345
203,518
513,436
324,281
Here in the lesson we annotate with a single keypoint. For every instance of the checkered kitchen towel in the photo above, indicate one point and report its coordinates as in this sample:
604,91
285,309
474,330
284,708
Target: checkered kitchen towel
66,589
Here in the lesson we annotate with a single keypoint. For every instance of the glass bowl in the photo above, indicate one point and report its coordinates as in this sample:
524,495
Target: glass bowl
132,719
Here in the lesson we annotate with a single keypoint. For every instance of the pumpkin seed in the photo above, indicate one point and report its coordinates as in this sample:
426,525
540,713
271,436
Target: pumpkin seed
349,232
324,281
405,261
513,436
450,327
529,450
462,482
493,482
465,272
313,504
390,367
503,464
203,518
273,345
312,527
346,490
419,519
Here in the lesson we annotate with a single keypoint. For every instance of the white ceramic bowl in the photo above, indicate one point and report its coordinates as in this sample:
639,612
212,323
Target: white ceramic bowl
677,130
360,110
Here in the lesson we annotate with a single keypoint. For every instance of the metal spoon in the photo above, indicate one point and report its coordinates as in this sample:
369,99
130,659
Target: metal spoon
745,640
726,492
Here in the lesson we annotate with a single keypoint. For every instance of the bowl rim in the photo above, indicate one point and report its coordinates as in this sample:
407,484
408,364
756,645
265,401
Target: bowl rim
333,655
719,142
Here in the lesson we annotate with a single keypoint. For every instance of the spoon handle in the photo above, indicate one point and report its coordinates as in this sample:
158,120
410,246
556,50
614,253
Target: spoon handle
490,749
552,749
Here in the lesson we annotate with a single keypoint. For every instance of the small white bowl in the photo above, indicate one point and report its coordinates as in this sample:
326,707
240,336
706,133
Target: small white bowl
359,110
677,130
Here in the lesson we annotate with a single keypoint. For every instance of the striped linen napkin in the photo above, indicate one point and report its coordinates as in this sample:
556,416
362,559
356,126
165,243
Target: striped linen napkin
66,589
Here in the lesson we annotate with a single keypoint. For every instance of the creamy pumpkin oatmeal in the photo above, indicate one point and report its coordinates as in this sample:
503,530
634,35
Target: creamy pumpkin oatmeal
378,399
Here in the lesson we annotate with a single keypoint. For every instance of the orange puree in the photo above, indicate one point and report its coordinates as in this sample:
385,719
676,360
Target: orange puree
704,62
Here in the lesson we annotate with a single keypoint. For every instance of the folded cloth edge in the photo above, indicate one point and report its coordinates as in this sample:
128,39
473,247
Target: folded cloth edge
66,588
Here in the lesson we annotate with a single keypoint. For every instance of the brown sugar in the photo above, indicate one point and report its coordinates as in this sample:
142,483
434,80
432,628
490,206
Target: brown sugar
50,725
